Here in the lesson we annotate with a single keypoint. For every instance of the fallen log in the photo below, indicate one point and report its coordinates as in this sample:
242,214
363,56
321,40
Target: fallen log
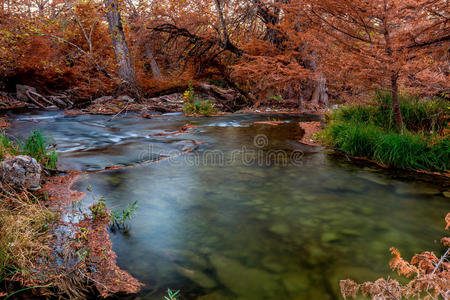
229,99
34,100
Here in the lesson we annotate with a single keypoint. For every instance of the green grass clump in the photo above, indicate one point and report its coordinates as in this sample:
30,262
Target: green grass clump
370,131
409,151
36,146
419,115
6,146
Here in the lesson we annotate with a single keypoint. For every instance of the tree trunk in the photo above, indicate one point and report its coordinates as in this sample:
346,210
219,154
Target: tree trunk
320,95
125,70
395,104
153,64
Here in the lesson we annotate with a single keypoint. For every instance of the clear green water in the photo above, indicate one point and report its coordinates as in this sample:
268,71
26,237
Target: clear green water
242,229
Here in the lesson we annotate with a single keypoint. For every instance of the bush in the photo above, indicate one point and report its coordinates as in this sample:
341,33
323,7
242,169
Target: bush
193,105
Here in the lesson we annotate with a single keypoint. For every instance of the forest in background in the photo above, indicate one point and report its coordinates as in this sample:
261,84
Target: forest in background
290,52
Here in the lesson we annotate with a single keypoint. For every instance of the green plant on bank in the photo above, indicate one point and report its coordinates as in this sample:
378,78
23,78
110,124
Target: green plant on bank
36,146
119,217
171,295
193,105
428,116
6,146
369,131
98,209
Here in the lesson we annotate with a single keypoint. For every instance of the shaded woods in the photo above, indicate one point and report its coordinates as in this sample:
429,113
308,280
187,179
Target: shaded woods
285,51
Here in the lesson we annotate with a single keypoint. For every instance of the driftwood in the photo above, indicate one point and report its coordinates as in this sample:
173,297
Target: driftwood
60,101
227,99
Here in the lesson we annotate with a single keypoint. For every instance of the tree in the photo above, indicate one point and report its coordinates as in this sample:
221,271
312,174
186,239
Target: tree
125,69
381,44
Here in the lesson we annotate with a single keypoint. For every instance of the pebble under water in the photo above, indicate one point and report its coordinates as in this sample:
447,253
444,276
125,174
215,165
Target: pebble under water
251,213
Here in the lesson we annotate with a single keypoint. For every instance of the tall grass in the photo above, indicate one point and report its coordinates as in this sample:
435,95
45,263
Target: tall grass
36,146
429,116
6,146
409,151
24,223
369,131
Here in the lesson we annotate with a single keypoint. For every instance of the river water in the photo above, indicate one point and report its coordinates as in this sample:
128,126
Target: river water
251,213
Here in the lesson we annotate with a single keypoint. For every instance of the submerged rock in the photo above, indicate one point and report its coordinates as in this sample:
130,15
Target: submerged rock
21,172
280,228
197,277
249,283
272,263
329,237
296,283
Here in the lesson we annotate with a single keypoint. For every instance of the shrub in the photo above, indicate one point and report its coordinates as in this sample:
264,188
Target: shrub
193,105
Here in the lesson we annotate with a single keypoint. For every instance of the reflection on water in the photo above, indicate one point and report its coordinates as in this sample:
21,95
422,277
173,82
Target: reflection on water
229,229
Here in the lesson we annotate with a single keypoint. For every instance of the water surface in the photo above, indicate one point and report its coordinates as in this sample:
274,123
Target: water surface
252,213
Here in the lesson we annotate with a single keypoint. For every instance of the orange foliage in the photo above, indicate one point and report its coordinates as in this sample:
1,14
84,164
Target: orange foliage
263,48
431,277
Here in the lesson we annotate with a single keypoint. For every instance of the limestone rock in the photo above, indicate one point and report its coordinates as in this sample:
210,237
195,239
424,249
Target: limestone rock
21,172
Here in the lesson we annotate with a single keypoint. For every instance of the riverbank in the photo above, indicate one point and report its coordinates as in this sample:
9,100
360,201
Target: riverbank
48,247
368,132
